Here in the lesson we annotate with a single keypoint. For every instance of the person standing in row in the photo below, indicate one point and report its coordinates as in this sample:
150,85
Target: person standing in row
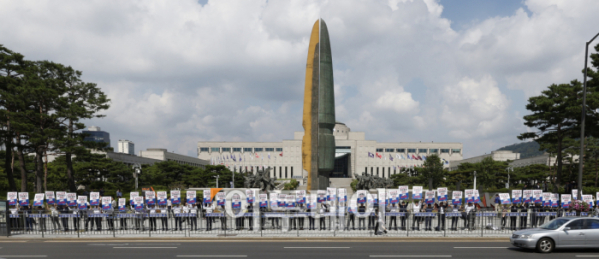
361,220
441,208
403,208
162,211
351,217
513,217
428,219
64,211
208,210
177,210
454,220
416,206
324,208
152,214
193,216
97,219
393,219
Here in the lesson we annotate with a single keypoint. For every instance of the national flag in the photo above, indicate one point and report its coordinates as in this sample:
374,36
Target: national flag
281,154
233,157
424,157
378,155
398,156
268,155
257,156
370,155
414,157
390,157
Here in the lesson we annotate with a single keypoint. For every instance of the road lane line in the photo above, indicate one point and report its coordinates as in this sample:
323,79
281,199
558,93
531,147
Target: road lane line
316,247
220,256
587,256
144,247
412,256
474,247
22,256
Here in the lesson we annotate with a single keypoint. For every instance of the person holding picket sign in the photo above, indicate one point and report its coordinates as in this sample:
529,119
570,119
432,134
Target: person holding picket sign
177,210
403,207
416,206
152,214
193,216
455,208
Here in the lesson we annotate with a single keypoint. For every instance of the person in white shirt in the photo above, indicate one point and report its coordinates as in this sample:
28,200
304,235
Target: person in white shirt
393,219
152,216
54,215
416,206
209,209
163,217
380,222
469,220
177,210
193,216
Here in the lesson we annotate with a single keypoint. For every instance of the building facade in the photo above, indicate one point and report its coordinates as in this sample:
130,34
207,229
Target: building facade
96,134
353,155
126,147
163,155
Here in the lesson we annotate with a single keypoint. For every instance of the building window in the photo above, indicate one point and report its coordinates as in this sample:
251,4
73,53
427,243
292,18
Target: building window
400,150
433,151
444,151
389,149
291,172
422,150
269,149
258,149
226,149
215,149
411,150
247,149
279,149
236,149
454,150
379,150
204,149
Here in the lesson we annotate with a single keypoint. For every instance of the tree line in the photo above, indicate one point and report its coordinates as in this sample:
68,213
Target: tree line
555,123
42,106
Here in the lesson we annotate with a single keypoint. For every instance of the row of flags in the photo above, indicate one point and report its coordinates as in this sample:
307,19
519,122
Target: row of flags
225,159
401,156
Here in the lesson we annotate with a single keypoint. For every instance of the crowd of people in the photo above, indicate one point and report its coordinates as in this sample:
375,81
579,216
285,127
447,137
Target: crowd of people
415,215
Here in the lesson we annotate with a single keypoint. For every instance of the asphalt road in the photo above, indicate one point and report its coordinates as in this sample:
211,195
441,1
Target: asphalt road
272,249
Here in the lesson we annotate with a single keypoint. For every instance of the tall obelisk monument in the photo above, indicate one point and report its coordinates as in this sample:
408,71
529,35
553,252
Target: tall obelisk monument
318,144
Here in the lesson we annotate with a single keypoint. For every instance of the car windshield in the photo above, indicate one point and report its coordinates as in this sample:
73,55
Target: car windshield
554,224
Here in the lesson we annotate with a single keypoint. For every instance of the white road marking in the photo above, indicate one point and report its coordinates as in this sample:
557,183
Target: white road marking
412,256
474,247
22,256
221,256
144,247
588,256
316,247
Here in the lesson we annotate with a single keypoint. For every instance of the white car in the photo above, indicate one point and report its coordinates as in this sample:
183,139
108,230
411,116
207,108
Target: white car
567,232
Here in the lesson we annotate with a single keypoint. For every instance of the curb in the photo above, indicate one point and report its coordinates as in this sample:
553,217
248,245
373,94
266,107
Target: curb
264,239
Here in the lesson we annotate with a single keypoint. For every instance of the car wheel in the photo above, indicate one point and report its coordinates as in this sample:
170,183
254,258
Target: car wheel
545,245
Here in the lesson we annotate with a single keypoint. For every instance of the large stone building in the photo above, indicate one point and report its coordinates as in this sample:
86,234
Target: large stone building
351,155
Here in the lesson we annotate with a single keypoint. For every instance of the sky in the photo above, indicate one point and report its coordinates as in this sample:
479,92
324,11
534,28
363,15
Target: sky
179,72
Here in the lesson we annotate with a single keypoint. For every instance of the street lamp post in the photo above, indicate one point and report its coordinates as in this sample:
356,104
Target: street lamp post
582,121
216,180
507,185
137,172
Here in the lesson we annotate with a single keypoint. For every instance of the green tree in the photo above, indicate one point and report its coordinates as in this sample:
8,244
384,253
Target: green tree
491,173
556,116
80,101
432,172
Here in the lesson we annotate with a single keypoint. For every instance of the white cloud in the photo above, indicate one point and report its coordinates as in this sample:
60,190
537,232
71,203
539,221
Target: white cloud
179,72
